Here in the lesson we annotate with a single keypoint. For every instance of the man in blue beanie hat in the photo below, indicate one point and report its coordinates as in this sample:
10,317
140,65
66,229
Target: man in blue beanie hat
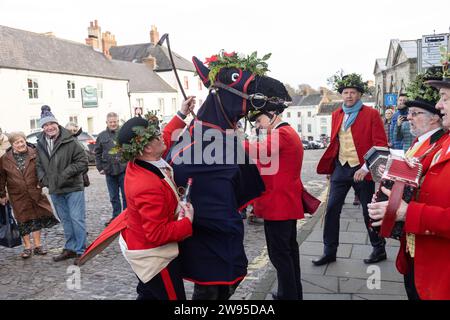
61,163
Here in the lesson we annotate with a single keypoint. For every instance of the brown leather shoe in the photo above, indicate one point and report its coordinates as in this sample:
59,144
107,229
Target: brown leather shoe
66,254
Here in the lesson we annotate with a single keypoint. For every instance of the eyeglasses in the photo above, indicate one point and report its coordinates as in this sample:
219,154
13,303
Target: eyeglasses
415,113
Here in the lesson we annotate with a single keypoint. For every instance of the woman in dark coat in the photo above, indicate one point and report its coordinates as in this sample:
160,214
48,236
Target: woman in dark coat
31,207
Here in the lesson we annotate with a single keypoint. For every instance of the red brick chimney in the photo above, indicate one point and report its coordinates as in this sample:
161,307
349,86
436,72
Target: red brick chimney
150,62
94,38
154,35
108,41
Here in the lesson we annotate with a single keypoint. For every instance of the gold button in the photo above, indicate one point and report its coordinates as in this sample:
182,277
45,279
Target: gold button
427,232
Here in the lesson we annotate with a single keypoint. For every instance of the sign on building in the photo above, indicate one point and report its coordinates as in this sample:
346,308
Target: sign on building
390,99
89,97
429,55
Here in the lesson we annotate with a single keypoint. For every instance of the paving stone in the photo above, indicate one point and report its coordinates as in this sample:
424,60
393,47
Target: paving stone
316,248
363,251
359,286
353,237
356,227
357,269
327,284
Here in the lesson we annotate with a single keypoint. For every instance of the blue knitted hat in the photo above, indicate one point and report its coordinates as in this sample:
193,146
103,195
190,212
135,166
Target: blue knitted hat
46,116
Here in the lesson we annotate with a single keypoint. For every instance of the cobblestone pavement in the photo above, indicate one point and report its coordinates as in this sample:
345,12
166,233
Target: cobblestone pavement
109,276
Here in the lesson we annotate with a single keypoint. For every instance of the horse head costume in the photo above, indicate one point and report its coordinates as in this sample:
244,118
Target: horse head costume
224,179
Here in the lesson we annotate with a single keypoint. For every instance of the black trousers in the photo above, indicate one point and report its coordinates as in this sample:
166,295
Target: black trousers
166,285
408,279
282,246
214,292
341,182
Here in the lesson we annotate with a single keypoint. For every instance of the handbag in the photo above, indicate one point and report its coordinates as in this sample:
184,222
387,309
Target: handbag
9,230
310,203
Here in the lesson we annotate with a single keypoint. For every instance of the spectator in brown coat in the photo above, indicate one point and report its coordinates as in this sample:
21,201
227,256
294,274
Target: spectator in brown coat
31,207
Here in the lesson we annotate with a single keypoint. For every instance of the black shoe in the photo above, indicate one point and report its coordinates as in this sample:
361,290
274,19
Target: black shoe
66,254
324,260
376,256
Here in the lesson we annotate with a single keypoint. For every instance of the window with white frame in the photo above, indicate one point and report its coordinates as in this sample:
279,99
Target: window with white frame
33,88
34,124
299,114
73,119
299,128
71,89
140,102
323,121
323,130
100,90
309,114
161,106
174,105
288,114
309,128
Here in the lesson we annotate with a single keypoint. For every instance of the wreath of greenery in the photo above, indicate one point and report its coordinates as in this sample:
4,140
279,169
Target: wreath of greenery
419,90
252,63
144,135
339,81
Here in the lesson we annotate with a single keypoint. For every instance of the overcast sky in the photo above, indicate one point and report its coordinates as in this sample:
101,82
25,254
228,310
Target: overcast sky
309,40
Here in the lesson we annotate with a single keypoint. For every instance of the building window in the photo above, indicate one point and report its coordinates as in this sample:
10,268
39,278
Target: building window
309,114
323,121
309,128
174,105
73,119
34,124
33,89
140,102
299,128
299,114
71,89
323,130
100,90
161,106
288,115
200,85
186,82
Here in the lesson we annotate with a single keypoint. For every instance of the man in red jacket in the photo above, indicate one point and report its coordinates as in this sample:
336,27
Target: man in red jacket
428,218
279,159
154,227
355,129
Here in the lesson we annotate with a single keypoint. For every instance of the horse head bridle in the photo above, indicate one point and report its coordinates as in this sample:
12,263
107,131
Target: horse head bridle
253,98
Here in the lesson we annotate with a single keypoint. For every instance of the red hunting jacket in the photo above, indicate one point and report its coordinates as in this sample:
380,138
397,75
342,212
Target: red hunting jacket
367,131
429,219
282,198
151,203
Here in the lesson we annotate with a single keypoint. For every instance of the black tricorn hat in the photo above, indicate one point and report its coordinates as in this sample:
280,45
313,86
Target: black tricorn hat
126,132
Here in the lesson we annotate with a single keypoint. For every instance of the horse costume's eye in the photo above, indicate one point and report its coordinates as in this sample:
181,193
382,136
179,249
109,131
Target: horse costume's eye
234,77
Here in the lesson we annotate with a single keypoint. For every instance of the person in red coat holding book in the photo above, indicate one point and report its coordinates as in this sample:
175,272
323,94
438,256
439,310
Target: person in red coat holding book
355,129
279,158
155,222
427,218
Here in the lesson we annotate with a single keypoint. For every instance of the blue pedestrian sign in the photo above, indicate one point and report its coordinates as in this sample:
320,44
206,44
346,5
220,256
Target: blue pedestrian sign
390,99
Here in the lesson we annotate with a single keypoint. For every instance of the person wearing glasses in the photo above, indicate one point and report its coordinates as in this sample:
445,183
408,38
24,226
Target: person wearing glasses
423,256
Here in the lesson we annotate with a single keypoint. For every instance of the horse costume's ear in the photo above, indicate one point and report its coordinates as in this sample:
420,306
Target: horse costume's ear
202,71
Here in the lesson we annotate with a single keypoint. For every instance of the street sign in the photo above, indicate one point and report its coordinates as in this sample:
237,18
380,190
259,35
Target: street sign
390,99
431,56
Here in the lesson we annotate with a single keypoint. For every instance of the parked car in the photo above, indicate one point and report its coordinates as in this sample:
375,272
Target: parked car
306,144
317,144
87,141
